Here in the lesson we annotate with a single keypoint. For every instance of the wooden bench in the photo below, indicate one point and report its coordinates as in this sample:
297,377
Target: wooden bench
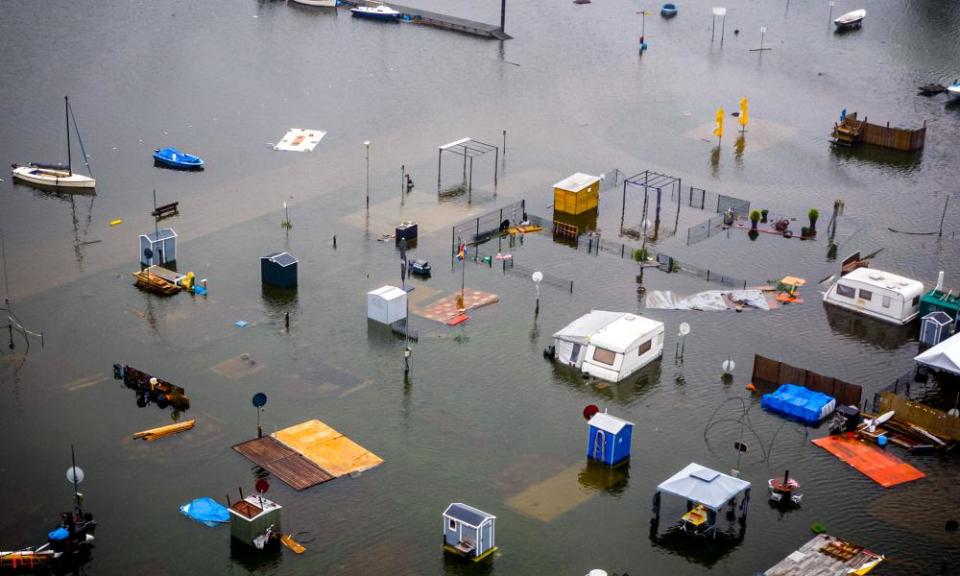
165,211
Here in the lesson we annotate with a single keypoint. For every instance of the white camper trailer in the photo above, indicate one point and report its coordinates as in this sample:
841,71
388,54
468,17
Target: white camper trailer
876,293
622,347
571,342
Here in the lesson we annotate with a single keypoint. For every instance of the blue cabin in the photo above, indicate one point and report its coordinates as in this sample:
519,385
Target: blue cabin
469,532
158,248
935,327
609,440
279,269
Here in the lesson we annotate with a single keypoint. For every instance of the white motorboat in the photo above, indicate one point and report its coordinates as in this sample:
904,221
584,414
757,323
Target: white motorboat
56,176
320,3
851,19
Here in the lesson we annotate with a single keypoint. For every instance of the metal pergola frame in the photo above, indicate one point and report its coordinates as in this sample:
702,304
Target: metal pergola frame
469,148
650,180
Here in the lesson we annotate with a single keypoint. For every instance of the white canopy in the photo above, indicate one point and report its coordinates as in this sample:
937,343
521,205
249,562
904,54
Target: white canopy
705,486
944,356
580,330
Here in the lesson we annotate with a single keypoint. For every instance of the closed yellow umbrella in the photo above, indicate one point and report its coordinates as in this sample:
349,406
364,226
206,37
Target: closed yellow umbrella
744,118
718,131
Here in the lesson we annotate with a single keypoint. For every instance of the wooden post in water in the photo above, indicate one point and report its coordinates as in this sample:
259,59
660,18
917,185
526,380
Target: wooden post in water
503,15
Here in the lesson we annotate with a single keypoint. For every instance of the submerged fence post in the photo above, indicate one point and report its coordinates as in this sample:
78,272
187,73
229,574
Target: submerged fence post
571,286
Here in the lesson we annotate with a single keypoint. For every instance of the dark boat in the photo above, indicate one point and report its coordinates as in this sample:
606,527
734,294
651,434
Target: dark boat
420,267
151,389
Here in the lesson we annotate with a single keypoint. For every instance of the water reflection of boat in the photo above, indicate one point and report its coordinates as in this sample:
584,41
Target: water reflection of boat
875,332
320,3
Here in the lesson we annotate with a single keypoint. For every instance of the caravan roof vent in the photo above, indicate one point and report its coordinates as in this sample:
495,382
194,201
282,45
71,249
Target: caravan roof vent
629,317
876,276
904,283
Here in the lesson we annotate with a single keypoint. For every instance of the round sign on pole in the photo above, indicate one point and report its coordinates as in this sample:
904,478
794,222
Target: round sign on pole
684,328
74,475
537,277
262,486
259,399
590,411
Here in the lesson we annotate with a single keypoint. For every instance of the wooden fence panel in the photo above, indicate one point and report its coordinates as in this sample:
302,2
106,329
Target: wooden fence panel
768,372
931,419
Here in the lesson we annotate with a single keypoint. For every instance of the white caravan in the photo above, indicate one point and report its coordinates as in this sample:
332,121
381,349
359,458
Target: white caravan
571,342
878,294
622,347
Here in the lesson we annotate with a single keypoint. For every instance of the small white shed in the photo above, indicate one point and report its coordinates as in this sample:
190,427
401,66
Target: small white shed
387,304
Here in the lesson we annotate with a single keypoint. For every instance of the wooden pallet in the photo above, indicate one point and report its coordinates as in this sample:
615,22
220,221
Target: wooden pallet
155,284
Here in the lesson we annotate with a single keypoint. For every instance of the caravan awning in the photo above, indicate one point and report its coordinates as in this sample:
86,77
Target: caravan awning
944,356
580,330
705,486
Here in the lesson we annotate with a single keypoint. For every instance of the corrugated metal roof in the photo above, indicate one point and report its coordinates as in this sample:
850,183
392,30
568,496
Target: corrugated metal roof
162,234
620,334
284,259
608,423
467,514
576,182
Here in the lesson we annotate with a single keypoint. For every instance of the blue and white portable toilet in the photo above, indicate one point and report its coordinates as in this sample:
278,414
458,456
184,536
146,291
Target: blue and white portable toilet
609,440
469,532
279,269
161,247
935,327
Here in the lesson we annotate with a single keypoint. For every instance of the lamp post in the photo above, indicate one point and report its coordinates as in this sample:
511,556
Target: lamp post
366,144
537,277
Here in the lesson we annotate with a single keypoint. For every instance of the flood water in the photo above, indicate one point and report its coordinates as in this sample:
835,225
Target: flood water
484,416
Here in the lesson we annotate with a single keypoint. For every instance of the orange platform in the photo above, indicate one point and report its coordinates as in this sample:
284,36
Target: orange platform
881,467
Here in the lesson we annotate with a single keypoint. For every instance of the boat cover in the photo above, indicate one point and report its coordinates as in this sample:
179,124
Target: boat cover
206,511
944,356
799,402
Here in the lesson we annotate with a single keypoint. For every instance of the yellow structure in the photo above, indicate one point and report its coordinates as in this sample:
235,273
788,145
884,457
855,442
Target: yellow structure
576,194
327,448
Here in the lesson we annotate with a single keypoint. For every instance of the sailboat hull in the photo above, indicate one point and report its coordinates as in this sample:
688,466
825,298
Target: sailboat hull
55,179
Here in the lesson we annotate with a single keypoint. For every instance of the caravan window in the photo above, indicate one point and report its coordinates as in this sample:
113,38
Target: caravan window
916,300
886,301
866,294
645,347
604,356
845,291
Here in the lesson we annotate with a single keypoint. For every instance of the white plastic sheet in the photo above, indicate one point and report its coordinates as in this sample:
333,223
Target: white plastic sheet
711,300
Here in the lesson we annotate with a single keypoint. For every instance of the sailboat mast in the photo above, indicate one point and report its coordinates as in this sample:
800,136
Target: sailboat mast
66,114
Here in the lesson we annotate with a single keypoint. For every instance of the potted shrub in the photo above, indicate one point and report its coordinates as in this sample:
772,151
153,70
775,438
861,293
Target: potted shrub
763,215
754,218
753,234
813,214
804,232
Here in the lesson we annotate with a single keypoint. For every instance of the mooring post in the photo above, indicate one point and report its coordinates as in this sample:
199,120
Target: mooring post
623,205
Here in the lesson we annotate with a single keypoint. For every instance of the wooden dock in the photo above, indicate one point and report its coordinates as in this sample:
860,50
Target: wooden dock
854,131
284,463
445,21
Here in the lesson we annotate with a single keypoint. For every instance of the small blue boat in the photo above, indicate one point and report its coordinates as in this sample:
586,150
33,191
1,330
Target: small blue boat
668,10
173,158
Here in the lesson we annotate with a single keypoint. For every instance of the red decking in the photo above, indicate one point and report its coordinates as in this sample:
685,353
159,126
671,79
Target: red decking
883,468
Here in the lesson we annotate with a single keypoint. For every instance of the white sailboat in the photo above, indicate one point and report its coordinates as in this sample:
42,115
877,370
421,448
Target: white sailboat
56,176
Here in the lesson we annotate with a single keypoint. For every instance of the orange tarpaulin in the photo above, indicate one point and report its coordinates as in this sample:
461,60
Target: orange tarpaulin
884,469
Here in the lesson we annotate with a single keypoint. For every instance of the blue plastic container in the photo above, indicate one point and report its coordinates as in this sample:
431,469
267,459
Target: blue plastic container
799,402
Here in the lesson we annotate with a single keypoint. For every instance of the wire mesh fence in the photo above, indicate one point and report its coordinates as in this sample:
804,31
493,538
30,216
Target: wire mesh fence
481,228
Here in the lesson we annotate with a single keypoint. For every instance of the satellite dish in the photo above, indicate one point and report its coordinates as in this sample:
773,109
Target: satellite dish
262,486
74,475
147,253
684,328
259,400
537,277
953,412
590,411
728,366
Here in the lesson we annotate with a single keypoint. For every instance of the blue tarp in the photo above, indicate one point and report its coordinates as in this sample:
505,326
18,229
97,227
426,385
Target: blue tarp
206,511
799,402
60,533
